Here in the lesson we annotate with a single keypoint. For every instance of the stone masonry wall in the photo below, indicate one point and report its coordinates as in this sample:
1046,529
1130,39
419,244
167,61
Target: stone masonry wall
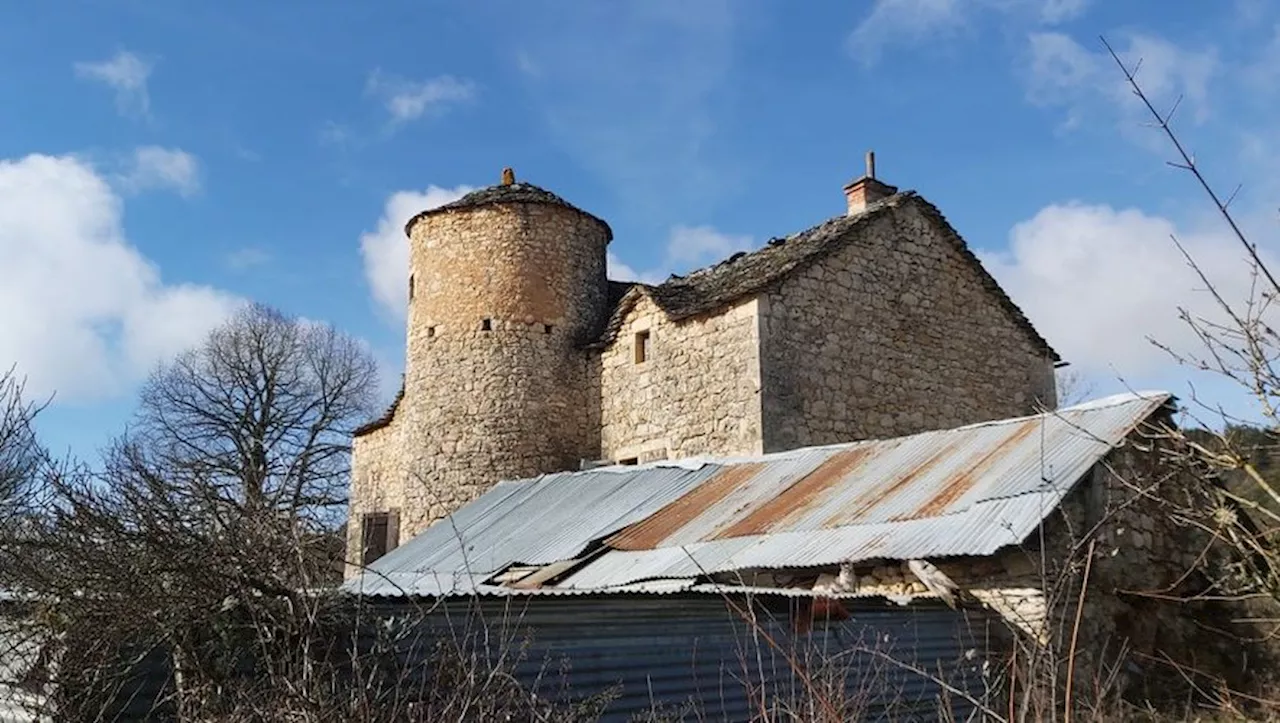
377,482
697,392
496,383
1140,565
891,337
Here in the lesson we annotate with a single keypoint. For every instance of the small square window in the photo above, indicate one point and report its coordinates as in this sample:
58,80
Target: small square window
642,346
546,328
431,331
486,325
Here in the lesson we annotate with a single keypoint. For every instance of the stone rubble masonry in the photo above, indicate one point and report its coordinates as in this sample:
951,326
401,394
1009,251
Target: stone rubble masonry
696,393
885,337
1141,556
890,338
503,299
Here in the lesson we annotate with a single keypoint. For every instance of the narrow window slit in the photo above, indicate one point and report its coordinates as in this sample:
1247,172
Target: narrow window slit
642,346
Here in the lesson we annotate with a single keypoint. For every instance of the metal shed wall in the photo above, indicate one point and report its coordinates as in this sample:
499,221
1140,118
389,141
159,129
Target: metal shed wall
695,653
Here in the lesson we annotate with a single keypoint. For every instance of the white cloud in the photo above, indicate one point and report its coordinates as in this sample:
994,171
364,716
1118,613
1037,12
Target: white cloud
696,245
1097,282
1053,12
82,312
902,21
247,258
526,64
333,134
913,22
1064,73
687,248
407,100
126,73
386,250
153,167
618,270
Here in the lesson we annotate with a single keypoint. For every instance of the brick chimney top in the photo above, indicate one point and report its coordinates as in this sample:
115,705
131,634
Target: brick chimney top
508,176
866,190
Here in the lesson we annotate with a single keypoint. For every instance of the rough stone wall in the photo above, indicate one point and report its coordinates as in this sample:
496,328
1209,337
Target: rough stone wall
697,392
1139,568
1142,562
1140,565
892,337
377,482
496,383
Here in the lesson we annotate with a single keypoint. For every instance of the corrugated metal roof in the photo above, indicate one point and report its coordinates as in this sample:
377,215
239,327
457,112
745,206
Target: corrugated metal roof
965,491
532,522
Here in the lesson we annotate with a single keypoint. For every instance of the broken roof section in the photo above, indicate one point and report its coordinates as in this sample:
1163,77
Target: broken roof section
666,526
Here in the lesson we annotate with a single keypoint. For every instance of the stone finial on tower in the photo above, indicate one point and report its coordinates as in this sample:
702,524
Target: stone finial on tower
508,176
866,190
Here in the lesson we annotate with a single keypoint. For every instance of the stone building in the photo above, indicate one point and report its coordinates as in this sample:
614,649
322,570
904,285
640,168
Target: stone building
524,359
1037,548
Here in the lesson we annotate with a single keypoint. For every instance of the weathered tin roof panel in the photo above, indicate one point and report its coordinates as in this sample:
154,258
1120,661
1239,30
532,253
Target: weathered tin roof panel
534,522
926,476
966,491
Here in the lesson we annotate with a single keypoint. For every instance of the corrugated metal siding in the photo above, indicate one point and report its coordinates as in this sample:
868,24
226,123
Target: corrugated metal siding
690,650
965,491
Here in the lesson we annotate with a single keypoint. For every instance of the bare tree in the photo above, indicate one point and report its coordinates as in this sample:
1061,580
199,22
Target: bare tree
210,526
259,417
1235,500
20,451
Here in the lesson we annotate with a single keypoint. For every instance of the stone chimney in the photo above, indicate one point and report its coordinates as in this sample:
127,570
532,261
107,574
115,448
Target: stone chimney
865,191
508,176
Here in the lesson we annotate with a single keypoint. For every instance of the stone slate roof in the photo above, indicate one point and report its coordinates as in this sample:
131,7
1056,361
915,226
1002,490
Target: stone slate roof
744,274
513,193
386,417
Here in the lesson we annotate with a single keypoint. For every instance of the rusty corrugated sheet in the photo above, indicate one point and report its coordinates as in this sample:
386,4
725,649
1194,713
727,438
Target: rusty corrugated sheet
924,476
965,491
533,522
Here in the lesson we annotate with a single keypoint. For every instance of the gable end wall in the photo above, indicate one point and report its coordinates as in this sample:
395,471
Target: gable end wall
892,336
698,392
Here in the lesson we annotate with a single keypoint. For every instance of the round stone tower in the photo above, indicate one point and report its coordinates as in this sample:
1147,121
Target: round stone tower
506,286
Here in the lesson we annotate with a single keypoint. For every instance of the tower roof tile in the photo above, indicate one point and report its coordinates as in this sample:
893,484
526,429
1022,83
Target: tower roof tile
519,192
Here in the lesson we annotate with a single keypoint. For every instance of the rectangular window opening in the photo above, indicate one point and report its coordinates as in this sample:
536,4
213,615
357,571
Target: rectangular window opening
629,461
642,346
410,287
546,328
374,527
431,331
486,325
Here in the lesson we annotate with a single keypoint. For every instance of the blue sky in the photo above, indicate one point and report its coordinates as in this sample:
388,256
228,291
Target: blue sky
162,161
